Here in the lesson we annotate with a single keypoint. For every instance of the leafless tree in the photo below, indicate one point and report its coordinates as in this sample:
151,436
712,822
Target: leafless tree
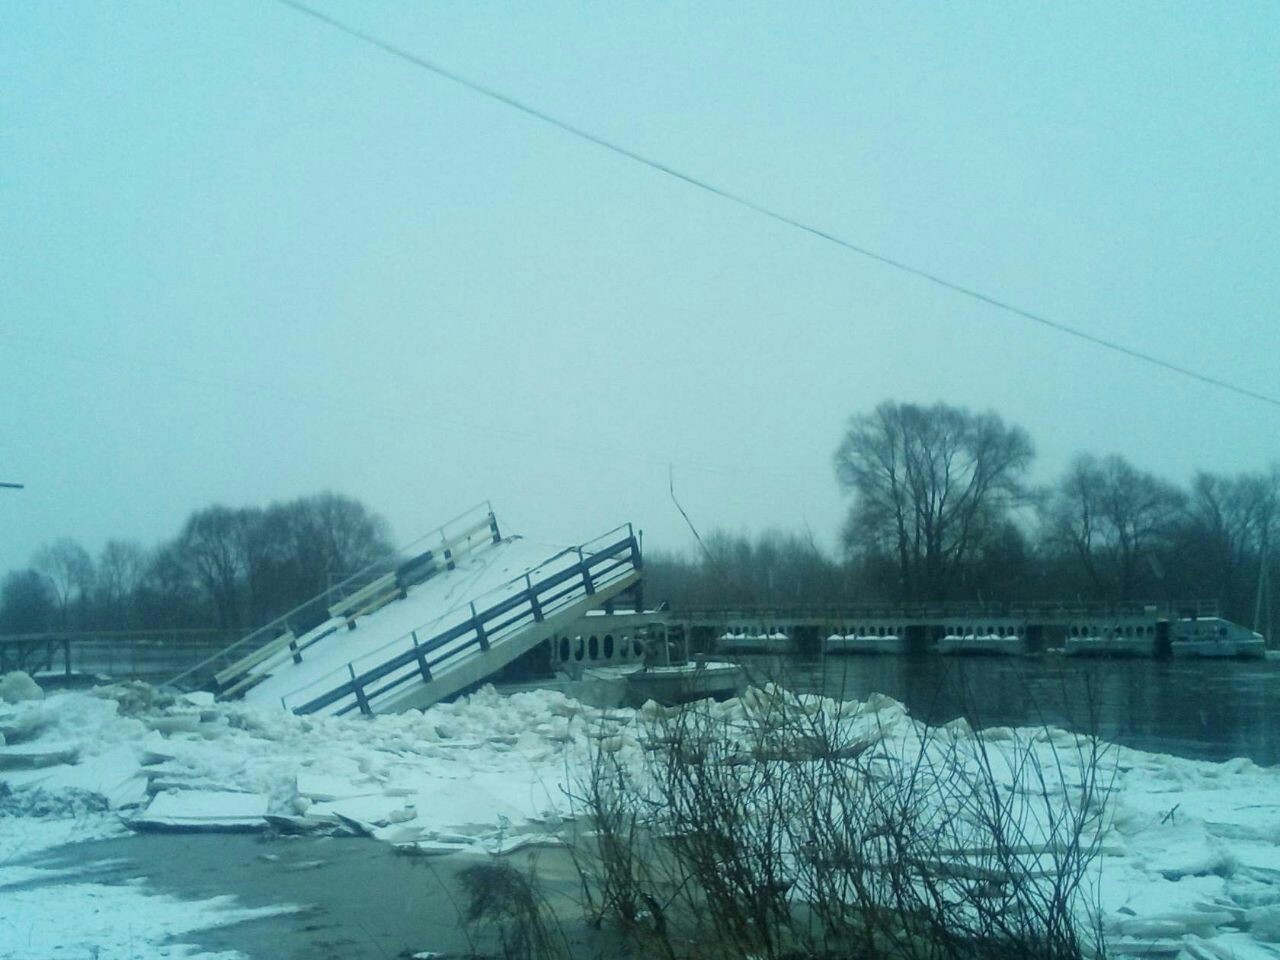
69,570
26,602
930,484
121,566
1224,536
1114,519
214,544
167,595
297,549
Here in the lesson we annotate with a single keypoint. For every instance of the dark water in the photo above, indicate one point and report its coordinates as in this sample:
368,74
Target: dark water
359,900
1203,709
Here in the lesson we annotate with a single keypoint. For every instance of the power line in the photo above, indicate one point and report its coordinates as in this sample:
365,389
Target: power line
742,201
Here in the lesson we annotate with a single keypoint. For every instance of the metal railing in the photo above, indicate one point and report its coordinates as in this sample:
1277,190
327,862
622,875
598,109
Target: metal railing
141,654
945,609
411,553
484,627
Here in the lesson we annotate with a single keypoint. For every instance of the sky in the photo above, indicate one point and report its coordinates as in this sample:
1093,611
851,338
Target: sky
245,257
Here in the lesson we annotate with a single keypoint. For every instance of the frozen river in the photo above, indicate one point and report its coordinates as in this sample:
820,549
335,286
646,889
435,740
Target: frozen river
1202,709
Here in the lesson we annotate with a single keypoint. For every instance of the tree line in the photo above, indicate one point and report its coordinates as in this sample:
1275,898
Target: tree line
227,568
941,508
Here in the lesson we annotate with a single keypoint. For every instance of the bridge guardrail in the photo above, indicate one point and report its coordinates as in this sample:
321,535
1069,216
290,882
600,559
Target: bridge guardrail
539,598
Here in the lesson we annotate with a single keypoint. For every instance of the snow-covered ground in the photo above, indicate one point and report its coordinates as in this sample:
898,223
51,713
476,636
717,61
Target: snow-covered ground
1191,862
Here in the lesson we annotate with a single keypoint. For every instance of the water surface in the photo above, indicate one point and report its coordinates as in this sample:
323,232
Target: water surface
1204,709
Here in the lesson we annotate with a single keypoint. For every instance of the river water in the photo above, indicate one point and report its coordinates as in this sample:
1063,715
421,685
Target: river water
1203,709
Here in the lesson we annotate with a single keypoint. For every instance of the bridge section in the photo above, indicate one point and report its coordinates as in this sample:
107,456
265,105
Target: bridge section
951,627
419,627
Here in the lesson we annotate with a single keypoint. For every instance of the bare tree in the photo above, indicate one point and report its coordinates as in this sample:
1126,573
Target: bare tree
929,485
121,566
297,549
167,595
1225,532
214,544
1115,520
26,603
69,570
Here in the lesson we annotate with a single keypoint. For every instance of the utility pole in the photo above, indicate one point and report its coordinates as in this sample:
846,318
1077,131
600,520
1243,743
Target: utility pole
1264,589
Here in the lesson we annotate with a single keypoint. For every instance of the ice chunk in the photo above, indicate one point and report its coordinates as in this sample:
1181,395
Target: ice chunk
45,754
204,810
18,686
325,787
116,776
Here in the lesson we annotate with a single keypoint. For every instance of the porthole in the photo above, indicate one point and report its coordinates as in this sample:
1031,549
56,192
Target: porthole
578,648
637,648
608,646
564,648
593,647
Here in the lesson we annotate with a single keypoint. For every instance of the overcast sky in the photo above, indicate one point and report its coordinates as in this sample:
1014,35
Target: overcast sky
245,257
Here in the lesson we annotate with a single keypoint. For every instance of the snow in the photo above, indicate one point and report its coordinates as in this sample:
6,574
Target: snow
1190,858
110,920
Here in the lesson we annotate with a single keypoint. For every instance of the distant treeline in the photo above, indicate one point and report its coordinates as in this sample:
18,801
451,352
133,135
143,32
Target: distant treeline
941,509
228,568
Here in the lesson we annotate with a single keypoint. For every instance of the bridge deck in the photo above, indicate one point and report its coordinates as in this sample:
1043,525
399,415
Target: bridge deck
452,630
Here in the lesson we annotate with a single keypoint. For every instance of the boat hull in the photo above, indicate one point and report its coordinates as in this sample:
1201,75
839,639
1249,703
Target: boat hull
862,645
686,683
1219,649
1109,647
982,646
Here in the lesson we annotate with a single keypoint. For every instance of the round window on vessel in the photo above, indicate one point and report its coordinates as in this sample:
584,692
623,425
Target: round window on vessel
637,648
564,648
593,648
578,648
608,646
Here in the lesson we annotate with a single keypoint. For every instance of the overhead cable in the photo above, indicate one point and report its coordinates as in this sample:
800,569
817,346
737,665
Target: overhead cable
750,204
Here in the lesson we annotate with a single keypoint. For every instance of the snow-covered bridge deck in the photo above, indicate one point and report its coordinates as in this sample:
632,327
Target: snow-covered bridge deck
434,625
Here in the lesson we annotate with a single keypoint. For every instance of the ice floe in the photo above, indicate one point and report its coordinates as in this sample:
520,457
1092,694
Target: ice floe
1189,865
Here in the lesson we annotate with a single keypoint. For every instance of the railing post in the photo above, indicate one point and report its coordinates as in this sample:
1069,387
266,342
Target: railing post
481,637
422,659
493,527
297,654
533,599
361,699
587,582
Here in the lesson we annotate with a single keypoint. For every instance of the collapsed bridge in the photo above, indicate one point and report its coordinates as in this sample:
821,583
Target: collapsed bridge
442,615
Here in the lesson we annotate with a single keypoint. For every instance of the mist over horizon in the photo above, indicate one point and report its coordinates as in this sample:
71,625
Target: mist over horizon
248,258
